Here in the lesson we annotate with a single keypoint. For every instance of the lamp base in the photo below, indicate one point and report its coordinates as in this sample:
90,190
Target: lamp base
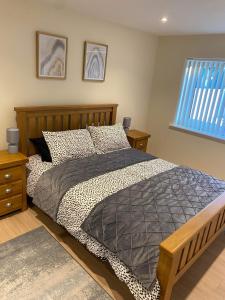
126,129
13,148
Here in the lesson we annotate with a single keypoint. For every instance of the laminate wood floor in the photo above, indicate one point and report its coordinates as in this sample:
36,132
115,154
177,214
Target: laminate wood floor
204,281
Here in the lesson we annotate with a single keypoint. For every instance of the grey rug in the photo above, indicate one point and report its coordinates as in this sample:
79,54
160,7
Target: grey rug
36,266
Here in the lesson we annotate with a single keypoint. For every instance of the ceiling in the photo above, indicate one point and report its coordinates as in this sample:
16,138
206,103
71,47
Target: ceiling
184,16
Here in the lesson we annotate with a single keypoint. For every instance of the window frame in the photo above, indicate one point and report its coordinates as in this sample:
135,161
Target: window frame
183,129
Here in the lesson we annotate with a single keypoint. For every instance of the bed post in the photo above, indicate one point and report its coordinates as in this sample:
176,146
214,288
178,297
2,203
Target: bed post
166,273
113,117
21,124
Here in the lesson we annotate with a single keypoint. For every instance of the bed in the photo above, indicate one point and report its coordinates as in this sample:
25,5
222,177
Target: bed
178,251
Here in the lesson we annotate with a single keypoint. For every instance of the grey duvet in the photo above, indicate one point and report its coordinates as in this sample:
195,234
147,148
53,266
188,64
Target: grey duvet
123,204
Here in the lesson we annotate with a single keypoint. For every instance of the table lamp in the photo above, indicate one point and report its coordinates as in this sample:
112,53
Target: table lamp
126,123
12,136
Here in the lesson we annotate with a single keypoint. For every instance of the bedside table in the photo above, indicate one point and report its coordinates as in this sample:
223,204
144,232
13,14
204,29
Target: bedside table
12,182
138,139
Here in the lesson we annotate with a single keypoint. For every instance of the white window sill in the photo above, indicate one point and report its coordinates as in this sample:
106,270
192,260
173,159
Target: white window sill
196,133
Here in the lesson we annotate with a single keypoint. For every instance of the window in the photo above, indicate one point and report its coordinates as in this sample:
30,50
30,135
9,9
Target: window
201,106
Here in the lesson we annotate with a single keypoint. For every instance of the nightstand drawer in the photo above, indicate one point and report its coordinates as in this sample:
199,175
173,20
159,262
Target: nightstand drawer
10,189
141,144
10,174
10,204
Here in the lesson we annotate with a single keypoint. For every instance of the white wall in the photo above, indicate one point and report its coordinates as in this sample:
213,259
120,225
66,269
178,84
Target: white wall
180,147
129,71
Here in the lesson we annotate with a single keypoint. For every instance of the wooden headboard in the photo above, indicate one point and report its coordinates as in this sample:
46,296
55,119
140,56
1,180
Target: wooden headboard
31,121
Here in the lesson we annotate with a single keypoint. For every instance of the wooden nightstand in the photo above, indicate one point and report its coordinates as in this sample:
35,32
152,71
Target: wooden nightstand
12,182
138,139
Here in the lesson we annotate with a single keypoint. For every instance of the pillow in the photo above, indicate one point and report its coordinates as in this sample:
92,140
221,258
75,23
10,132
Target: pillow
42,148
108,138
68,144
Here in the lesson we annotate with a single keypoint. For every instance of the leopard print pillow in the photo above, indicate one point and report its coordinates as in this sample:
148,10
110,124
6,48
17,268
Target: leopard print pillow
68,144
108,138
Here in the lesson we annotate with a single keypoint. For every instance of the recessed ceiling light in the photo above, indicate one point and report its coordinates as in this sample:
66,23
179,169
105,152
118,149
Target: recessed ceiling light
164,19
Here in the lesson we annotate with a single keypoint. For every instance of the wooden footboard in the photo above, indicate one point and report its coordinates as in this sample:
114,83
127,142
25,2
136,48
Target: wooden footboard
180,250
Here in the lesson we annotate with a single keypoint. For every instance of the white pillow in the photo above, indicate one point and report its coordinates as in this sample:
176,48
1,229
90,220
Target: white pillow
68,144
108,138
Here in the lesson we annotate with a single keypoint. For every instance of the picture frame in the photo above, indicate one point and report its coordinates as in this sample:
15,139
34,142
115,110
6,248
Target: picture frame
51,56
94,61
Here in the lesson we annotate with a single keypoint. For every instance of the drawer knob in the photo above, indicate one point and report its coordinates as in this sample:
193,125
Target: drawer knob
7,191
7,176
8,204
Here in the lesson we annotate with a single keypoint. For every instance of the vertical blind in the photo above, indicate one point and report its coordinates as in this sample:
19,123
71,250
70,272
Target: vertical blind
201,106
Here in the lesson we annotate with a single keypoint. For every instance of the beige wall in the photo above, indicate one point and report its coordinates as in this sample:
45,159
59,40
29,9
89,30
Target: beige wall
129,68
182,148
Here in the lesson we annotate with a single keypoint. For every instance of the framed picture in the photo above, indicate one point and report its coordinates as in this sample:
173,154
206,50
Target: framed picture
95,57
51,55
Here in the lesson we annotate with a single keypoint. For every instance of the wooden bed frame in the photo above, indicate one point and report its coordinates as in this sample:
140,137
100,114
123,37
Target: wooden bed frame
33,120
182,248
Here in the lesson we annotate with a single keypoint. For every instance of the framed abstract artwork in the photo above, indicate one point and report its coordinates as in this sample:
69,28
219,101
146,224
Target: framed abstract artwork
51,55
95,58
